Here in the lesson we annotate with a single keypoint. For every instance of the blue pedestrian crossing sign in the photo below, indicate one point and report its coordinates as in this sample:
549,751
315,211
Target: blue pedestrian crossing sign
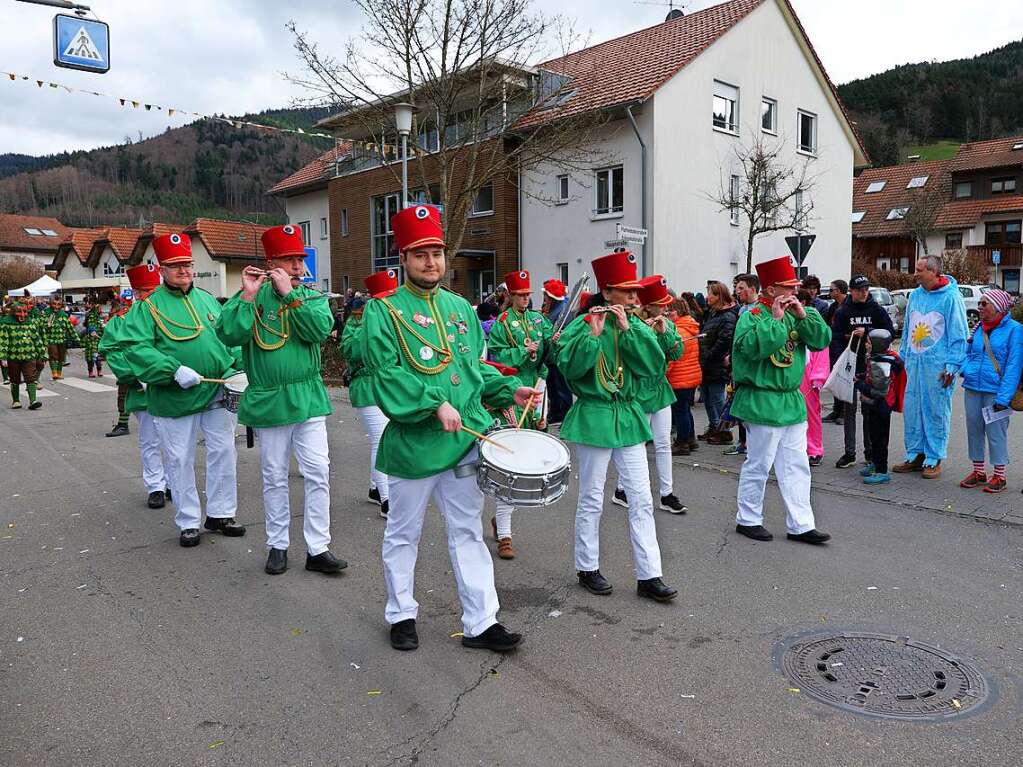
309,278
81,44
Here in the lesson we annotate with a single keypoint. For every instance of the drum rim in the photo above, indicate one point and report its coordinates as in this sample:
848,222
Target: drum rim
487,452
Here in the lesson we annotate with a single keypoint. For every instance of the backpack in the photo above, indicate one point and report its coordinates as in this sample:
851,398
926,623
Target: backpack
897,391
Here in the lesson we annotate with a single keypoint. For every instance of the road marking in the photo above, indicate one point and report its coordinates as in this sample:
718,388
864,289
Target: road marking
79,383
40,393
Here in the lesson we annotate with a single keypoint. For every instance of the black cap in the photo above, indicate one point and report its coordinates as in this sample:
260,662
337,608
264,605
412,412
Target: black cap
859,281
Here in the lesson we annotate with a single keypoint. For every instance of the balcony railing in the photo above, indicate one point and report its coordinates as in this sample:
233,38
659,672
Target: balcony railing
1012,255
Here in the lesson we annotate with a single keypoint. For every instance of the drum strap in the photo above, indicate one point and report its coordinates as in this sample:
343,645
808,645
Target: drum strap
464,470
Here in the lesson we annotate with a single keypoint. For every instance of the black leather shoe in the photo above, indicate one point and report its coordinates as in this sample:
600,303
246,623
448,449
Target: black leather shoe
324,563
276,561
496,638
385,507
756,532
166,492
189,537
654,588
119,430
225,525
620,499
404,636
594,582
156,500
810,536
374,496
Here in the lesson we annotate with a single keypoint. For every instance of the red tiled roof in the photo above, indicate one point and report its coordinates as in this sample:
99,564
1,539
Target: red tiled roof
77,241
878,205
156,229
316,172
121,241
630,68
14,237
997,153
229,239
966,213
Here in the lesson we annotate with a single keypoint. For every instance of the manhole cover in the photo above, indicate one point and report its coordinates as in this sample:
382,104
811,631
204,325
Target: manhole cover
884,676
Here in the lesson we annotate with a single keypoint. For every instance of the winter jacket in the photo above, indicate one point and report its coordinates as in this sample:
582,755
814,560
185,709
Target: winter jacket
875,382
685,373
850,316
1007,346
718,328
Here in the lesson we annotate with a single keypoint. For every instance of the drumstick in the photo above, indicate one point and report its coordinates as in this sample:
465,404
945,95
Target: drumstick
485,438
529,404
213,380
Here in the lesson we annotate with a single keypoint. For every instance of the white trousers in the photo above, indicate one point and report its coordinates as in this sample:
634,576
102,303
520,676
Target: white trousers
375,421
660,425
783,447
152,459
308,441
461,504
503,515
179,437
632,468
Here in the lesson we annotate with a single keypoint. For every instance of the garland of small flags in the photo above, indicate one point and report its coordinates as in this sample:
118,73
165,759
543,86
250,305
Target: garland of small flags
385,149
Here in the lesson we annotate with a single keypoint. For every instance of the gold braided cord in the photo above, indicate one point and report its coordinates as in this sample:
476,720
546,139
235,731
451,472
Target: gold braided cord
269,346
524,323
160,319
611,381
444,353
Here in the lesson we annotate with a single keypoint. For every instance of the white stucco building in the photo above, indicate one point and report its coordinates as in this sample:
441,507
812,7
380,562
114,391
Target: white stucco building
684,95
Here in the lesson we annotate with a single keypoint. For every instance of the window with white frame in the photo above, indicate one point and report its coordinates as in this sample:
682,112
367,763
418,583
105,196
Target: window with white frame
304,226
733,200
858,215
344,222
954,241
807,138
562,196
917,182
323,229
769,115
876,186
897,214
610,191
384,209
483,203
726,107
562,272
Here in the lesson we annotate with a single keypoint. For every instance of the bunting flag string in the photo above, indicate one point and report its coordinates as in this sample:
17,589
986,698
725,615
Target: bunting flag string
384,149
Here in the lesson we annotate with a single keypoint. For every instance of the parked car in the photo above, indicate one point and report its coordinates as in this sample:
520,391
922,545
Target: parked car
884,297
971,294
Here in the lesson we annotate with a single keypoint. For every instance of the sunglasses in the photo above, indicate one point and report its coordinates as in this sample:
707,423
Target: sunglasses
982,302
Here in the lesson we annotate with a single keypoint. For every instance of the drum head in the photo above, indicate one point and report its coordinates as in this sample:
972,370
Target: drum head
239,382
532,452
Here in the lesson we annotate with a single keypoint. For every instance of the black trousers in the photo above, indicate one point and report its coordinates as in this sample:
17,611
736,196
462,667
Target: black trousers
877,422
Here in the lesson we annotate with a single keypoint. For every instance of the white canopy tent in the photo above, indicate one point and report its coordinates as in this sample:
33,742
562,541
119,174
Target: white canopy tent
44,286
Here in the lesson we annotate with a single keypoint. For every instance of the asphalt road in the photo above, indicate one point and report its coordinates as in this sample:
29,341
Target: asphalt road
120,648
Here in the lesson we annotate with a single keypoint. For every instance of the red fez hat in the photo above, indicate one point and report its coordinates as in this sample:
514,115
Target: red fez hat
283,242
143,277
555,289
617,270
584,298
778,271
654,291
382,284
517,282
172,248
417,227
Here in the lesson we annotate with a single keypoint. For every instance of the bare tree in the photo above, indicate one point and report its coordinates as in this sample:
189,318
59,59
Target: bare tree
925,203
766,193
467,67
18,271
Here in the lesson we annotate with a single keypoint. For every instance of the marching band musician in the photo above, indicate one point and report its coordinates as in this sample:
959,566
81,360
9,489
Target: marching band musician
144,279
170,343
604,356
57,328
280,325
655,394
423,347
519,339
360,388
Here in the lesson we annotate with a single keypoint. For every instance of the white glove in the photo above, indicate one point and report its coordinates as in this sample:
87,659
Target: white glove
186,377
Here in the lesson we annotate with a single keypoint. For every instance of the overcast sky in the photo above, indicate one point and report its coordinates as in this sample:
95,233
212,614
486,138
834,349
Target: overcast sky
227,56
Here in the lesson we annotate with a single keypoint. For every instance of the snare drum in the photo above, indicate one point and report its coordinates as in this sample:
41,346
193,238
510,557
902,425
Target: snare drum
535,473
234,388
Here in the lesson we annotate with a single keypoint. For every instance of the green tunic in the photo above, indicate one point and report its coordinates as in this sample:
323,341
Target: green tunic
423,349
655,393
56,328
93,332
505,343
606,412
169,329
281,354
360,390
108,347
21,341
768,363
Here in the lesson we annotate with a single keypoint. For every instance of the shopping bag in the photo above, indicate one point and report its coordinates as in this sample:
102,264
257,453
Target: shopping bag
841,381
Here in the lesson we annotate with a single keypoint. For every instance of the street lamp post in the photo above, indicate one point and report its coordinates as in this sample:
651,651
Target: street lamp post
403,122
